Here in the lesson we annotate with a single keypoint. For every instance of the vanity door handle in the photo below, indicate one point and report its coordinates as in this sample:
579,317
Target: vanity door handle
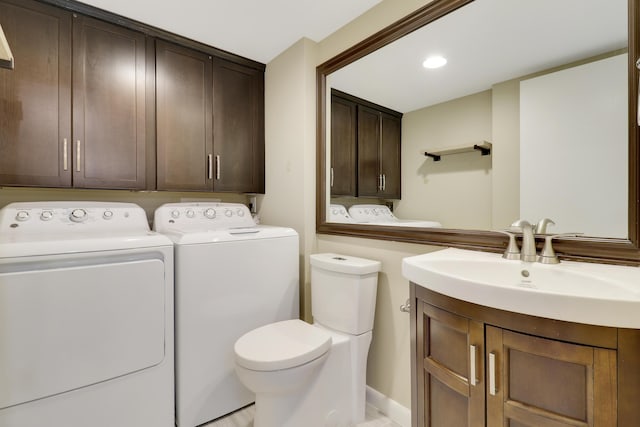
492,374
473,360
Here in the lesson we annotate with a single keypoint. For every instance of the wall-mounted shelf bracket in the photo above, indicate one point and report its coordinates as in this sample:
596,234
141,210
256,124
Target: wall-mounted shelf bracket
436,155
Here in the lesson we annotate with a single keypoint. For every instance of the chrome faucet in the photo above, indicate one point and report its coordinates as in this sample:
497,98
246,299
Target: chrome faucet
528,251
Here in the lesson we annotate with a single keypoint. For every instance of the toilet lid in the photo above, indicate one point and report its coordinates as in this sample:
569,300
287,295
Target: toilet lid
281,345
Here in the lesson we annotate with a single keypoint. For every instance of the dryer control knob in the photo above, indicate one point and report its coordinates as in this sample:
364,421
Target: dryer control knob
228,213
46,215
78,215
22,216
175,213
210,213
240,212
190,213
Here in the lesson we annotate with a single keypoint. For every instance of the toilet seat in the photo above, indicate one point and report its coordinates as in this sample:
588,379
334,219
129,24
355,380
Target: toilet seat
281,345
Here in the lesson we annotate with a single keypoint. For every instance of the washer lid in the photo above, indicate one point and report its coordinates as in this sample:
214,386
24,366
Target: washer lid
281,345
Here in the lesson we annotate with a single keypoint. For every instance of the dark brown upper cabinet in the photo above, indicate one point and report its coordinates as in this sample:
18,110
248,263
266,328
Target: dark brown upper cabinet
210,129
35,97
184,106
344,160
365,148
88,131
238,127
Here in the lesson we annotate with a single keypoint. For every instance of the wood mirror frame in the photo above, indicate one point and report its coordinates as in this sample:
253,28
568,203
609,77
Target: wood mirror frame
619,251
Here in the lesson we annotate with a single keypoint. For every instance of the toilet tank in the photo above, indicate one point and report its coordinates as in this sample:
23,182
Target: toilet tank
343,292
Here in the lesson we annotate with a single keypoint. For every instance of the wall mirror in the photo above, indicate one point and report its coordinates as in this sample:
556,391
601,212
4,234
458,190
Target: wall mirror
551,87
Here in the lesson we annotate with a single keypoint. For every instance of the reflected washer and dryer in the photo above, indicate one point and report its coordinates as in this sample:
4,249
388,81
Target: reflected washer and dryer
232,276
86,317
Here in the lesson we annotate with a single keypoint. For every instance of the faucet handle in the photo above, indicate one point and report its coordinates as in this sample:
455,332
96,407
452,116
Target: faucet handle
521,224
541,226
512,252
548,255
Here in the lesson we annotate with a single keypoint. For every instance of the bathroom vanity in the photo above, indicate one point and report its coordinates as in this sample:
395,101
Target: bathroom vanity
475,365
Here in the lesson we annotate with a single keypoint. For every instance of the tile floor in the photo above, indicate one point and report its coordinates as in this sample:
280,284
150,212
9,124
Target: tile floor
244,418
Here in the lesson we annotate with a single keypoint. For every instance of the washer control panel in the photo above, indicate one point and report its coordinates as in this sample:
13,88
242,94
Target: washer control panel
338,213
372,213
201,216
88,217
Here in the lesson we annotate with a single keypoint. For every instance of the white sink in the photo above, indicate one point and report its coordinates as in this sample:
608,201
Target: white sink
596,294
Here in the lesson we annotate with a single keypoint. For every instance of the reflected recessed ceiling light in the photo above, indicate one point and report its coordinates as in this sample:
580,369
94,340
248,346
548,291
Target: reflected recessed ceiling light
434,62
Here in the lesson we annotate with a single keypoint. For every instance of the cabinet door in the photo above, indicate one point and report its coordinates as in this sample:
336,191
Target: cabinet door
537,382
35,97
238,127
369,176
390,156
109,102
184,119
451,357
343,147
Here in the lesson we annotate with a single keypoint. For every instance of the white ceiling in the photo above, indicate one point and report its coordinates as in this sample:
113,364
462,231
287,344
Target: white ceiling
485,42
256,29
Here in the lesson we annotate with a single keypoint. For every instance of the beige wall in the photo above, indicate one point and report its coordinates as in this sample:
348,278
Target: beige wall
455,191
290,136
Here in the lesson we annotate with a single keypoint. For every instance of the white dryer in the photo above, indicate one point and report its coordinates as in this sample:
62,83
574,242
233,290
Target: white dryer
86,317
231,277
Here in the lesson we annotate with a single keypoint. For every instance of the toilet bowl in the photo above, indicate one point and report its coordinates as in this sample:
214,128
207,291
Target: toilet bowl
314,375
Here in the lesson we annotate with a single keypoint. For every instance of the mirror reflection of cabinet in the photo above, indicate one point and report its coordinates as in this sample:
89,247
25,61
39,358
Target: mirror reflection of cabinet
519,370
365,148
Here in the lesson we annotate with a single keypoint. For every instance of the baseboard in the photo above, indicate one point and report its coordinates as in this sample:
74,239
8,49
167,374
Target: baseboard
390,408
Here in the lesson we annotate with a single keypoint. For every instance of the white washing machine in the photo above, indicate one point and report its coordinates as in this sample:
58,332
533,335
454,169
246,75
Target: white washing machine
231,277
382,215
86,317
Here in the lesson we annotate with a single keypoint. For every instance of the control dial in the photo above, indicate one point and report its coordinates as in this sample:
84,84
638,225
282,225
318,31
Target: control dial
107,215
46,215
175,213
228,213
78,215
210,213
190,213
240,212
22,216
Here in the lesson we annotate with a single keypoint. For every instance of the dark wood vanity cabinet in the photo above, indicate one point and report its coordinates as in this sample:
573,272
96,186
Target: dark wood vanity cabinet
73,111
365,148
210,122
478,366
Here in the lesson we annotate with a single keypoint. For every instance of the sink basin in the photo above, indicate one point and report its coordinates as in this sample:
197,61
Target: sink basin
597,294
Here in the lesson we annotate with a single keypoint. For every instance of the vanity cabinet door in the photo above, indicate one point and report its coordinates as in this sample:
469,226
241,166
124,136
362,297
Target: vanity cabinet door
540,382
343,178
450,356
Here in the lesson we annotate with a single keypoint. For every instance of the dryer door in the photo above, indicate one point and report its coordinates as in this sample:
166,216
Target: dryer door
66,324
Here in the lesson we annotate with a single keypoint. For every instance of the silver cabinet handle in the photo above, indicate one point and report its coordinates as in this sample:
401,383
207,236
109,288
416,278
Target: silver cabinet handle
638,103
492,374
472,365
331,182
65,156
78,156
217,166
384,182
209,166
380,182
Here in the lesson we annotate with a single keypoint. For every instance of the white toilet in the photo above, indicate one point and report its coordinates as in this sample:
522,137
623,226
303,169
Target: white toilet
315,375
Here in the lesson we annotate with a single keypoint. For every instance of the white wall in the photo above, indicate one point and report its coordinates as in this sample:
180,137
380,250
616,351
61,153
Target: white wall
561,126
